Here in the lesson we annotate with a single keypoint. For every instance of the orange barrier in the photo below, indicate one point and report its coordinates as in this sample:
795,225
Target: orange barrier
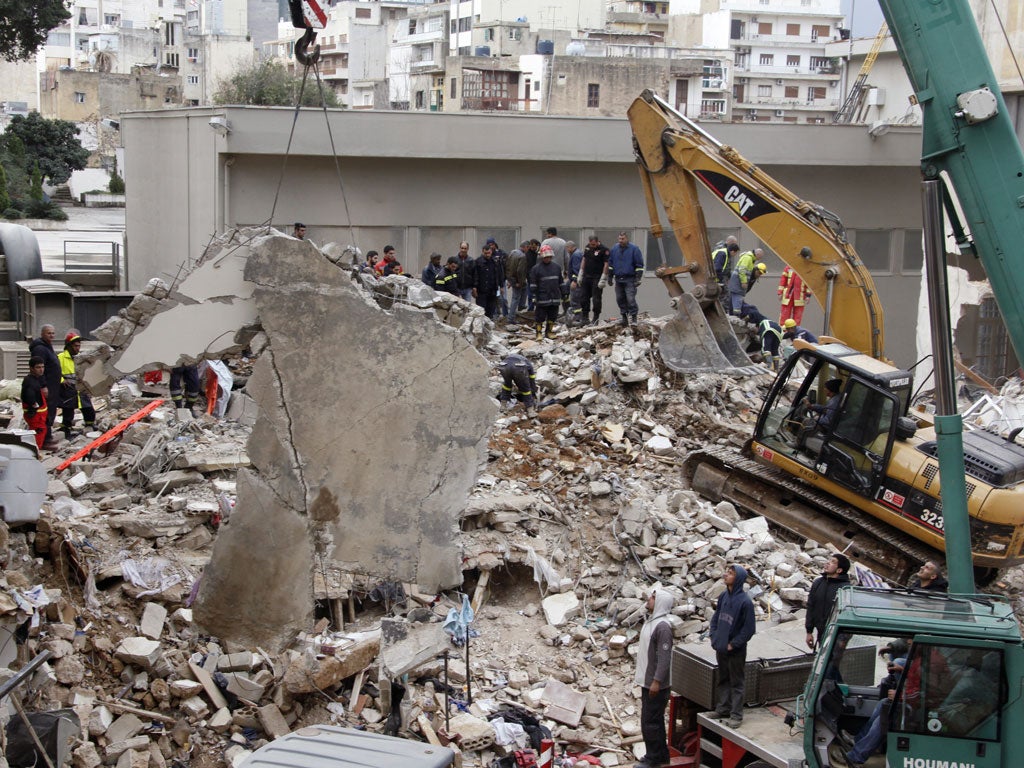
111,433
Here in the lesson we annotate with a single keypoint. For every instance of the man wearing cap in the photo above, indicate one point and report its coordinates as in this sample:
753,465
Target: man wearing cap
626,269
791,330
448,279
823,595
432,270
653,664
723,259
70,398
744,275
546,286
793,294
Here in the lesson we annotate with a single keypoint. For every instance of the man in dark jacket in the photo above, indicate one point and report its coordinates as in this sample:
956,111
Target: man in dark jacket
593,277
466,264
653,663
823,595
518,378
929,578
43,348
626,264
488,277
546,286
516,274
732,626
432,270
33,399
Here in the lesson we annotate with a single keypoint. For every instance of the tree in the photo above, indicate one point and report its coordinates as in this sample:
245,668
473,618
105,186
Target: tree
268,84
5,199
53,144
25,24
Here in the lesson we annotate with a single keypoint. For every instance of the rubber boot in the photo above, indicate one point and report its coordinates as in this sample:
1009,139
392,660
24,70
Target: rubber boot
548,333
540,331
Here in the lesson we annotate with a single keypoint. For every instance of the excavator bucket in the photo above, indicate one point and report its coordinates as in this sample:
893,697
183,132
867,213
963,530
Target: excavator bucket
701,340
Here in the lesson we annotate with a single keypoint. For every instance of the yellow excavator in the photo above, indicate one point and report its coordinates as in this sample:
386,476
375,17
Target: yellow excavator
864,477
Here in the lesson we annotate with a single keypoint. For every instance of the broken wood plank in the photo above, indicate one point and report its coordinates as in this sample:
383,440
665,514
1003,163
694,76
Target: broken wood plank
481,591
428,730
136,711
205,679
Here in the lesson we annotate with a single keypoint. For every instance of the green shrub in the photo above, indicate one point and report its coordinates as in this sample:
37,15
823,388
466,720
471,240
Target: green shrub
116,185
13,214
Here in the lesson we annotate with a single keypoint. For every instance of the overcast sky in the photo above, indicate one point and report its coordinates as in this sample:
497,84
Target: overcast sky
864,15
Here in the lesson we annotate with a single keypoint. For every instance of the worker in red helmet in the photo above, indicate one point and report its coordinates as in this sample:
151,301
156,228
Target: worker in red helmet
71,397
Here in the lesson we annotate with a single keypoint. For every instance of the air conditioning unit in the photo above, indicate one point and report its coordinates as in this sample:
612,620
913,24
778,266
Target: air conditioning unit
780,113
752,113
778,82
833,83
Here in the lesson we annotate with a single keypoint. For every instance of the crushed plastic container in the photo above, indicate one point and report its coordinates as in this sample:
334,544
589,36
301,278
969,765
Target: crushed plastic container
22,477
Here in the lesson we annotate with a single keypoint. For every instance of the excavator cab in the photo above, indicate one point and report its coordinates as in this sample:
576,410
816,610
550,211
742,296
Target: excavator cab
836,412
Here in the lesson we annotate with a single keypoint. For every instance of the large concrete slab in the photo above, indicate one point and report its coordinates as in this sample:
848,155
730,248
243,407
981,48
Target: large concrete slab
372,426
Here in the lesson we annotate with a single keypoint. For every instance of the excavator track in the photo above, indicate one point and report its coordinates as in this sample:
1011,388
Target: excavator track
723,474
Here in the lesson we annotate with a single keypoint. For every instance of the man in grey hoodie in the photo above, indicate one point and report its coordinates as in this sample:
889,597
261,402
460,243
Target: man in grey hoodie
732,625
653,663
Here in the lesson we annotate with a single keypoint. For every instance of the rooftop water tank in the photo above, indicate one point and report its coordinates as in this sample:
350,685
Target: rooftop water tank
482,50
546,47
576,48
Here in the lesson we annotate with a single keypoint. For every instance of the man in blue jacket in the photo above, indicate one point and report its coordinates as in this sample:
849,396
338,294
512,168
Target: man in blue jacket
732,625
625,268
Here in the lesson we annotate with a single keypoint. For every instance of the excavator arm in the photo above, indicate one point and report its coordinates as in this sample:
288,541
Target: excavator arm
674,154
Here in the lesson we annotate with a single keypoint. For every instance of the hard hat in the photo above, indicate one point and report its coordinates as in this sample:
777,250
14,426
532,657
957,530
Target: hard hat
790,323
72,337
547,250
762,267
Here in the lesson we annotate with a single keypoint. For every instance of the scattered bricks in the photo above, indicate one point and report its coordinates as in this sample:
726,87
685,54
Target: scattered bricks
99,720
78,483
794,595
122,729
273,722
476,734
117,748
719,523
659,445
133,758
152,623
558,608
236,753
220,721
139,651
176,478
118,501
237,662
69,671
184,689
206,680
518,678
600,488
105,479
195,707
244,687
86,756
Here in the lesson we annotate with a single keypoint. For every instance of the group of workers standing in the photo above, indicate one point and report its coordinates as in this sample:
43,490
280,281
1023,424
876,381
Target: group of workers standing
52,383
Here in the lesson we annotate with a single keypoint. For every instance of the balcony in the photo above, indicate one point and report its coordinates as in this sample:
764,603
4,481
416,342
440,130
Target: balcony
786,73
758,102
788,40
422,37
425,65
714,84
649,19
496,104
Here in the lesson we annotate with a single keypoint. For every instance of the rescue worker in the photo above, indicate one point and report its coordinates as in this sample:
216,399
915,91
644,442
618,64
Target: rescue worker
518,378
42,348
33,399
71,398
791,330
546,287
793,294
389,265
488,277
185,386
723,259
432,270
448,280
575,257
769,334
743,277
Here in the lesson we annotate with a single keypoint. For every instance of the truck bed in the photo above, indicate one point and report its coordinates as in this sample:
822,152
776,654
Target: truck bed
763,733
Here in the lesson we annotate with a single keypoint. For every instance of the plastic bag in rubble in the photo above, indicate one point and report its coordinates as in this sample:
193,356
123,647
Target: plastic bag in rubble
152,574
457,622
66,508
225,381
543,572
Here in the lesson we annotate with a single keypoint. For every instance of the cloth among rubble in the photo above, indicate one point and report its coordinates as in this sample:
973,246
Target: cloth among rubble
530,723
152,574
225,381
457,622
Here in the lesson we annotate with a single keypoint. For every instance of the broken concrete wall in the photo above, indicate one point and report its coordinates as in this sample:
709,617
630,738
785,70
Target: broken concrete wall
372,426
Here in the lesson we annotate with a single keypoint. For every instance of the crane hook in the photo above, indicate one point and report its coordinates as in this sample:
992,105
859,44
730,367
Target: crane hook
302,46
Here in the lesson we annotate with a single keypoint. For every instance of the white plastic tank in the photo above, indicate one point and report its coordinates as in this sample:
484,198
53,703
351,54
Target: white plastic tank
23,480
576,48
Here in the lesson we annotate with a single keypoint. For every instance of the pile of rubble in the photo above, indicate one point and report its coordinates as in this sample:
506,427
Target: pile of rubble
575,514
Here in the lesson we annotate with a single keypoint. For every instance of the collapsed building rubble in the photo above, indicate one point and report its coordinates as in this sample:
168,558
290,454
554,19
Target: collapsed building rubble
573,516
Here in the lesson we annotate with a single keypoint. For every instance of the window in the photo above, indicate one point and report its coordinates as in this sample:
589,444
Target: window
792,92
362,13
992,342
193,79
169,33
764,28
873,248
171,60
913,256
453,26
536,86
412,26
793,30
488,34
593,95
815,92
764,91
950,691
111,19
820,30
793,61
515,33
193,55
465,24
820,62
59,38
79,97
766,59
673,253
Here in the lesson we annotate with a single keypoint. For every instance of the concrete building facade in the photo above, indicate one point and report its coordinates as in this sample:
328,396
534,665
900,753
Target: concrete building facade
425,181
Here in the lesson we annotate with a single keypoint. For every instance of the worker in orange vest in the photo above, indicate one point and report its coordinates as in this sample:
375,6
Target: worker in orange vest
793,294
